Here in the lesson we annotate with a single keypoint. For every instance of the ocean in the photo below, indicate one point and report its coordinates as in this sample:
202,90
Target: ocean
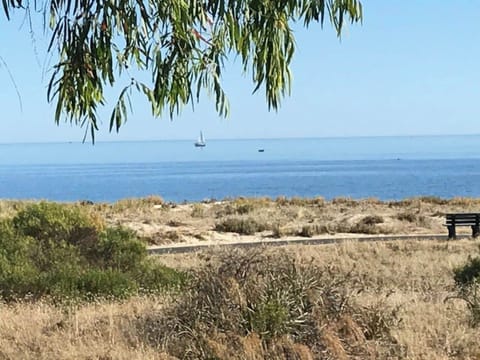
388,168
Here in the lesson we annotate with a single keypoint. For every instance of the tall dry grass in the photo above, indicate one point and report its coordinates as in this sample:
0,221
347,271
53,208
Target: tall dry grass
94,331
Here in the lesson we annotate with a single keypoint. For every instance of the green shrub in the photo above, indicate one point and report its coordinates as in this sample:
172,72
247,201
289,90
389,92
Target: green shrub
117,248
47,221
467,273
106,283
86,284
243,226
50,255
152,276
16,269
56,251
17,280
13,248
270,317
467,280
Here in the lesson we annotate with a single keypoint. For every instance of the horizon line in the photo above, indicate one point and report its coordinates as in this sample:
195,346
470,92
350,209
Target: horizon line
235,139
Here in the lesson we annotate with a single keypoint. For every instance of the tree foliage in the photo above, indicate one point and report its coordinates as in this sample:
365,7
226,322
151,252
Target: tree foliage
183,44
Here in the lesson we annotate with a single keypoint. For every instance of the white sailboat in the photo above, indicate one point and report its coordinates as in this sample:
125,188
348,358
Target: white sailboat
201,141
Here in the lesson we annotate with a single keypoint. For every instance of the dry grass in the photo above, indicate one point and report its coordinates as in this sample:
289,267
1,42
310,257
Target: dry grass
96,331
415,278
397,290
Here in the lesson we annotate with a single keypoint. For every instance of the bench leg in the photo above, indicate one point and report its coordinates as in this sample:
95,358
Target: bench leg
451,232
475,231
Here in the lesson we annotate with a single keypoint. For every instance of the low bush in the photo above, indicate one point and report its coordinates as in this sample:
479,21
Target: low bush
433,200
344,201
298,201
243,226
117,248
55,251
467,273
52,222
153,277
372,220
138,203
247,298
467,281
312,230
75,283
412,217
367,225
241,206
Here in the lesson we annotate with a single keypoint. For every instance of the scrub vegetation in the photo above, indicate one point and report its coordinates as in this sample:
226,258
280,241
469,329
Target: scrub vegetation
159,222
63,253
76,284
396,300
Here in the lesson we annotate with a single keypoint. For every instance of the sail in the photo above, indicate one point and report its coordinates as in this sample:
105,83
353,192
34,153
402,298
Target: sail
201,141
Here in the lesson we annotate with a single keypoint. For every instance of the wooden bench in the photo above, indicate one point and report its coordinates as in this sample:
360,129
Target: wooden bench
463,219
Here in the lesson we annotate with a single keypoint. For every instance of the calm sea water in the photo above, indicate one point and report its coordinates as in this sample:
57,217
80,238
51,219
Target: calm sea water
382,167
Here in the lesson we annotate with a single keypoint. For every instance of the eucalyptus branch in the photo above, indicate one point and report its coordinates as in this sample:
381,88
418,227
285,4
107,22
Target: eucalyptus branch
95,41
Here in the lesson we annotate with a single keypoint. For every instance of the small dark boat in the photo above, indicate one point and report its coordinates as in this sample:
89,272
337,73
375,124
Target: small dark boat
261,150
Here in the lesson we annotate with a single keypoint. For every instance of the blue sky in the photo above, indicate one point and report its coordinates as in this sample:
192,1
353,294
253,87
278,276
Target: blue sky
412,68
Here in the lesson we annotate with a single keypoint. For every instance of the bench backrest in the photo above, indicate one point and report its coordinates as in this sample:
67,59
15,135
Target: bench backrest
463,219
